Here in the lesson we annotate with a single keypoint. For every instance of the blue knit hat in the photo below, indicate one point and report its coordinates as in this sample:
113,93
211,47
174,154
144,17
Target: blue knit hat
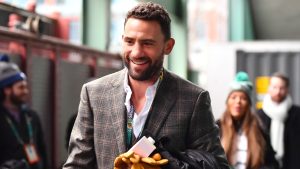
242,83
9,72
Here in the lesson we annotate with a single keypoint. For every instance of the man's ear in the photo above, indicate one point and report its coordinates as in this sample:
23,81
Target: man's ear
169,46
7,91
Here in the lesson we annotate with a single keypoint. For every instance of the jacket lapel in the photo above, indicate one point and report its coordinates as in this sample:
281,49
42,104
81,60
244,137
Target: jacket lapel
118,117
162,104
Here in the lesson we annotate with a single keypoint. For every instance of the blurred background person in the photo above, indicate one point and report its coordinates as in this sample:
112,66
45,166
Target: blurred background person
245,145
281,120
21,144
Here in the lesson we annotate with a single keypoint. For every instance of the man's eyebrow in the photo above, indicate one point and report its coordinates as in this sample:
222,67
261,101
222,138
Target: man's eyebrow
140,40
126,37
148,40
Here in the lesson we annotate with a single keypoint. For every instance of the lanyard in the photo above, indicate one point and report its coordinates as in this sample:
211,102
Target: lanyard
129,126
130,115
15,131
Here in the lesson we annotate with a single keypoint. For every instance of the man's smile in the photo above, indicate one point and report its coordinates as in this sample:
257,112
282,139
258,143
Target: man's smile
139,61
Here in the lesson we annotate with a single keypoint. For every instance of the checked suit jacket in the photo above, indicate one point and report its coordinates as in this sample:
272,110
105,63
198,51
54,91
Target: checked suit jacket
180,111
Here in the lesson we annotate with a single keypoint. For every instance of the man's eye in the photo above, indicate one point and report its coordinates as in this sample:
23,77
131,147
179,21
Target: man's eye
129,41
148,43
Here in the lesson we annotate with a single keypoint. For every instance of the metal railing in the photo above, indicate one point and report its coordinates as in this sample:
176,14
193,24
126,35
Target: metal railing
56,70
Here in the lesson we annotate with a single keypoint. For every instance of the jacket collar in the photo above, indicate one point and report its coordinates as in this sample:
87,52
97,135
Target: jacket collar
162,105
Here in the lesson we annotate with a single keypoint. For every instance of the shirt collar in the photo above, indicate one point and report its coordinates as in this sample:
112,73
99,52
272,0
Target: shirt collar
150,92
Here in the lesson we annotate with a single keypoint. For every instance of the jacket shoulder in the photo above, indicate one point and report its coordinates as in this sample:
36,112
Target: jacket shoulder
264,120
108,80
295,108
185,85
294,115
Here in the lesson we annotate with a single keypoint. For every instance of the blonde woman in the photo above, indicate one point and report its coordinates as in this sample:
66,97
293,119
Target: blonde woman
245,144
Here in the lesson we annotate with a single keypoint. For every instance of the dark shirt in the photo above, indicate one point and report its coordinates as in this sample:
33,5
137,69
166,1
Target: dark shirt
11,148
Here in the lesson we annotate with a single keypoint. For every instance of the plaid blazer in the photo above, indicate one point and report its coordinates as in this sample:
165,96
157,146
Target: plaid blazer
180,110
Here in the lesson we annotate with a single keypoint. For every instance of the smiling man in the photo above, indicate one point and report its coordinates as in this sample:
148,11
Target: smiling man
144,99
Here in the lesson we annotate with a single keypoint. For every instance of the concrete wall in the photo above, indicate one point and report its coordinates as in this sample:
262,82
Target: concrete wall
276,19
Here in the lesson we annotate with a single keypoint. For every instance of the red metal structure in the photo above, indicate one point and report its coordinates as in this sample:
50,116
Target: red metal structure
56,71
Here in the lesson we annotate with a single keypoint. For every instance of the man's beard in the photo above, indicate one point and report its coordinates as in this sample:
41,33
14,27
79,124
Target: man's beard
147,74
279,99
17,100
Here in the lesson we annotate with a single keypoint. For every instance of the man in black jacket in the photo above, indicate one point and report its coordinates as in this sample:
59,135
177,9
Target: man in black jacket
281,120
21,142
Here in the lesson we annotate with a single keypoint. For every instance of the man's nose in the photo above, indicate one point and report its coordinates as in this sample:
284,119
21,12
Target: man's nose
137,50
277,91
26,91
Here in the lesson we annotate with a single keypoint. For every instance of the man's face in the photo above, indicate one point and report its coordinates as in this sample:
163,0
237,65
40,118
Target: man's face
277,89
18,93
144,47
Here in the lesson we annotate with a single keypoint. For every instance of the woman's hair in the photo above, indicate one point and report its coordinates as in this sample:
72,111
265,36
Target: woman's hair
250,127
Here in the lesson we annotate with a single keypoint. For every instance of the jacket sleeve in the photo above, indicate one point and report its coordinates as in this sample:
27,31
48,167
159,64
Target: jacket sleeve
204,149
81,154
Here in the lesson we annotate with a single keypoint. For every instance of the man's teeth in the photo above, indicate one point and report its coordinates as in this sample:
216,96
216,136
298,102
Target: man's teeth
139,62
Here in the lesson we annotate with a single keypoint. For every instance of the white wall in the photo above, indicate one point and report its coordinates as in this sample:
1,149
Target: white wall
220,70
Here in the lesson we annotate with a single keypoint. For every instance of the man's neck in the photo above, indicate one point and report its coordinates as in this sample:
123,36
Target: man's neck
139,88
11,107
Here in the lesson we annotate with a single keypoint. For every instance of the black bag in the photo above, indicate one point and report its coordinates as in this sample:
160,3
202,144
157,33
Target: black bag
190,159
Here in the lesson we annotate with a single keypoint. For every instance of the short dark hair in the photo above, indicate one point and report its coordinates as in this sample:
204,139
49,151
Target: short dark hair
2,94
152,12
282,77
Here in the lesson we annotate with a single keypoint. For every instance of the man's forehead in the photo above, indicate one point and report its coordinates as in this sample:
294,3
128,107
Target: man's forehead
277,81
140,24
20,83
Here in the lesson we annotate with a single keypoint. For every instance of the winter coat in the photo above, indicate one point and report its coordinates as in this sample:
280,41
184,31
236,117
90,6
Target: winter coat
291,158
